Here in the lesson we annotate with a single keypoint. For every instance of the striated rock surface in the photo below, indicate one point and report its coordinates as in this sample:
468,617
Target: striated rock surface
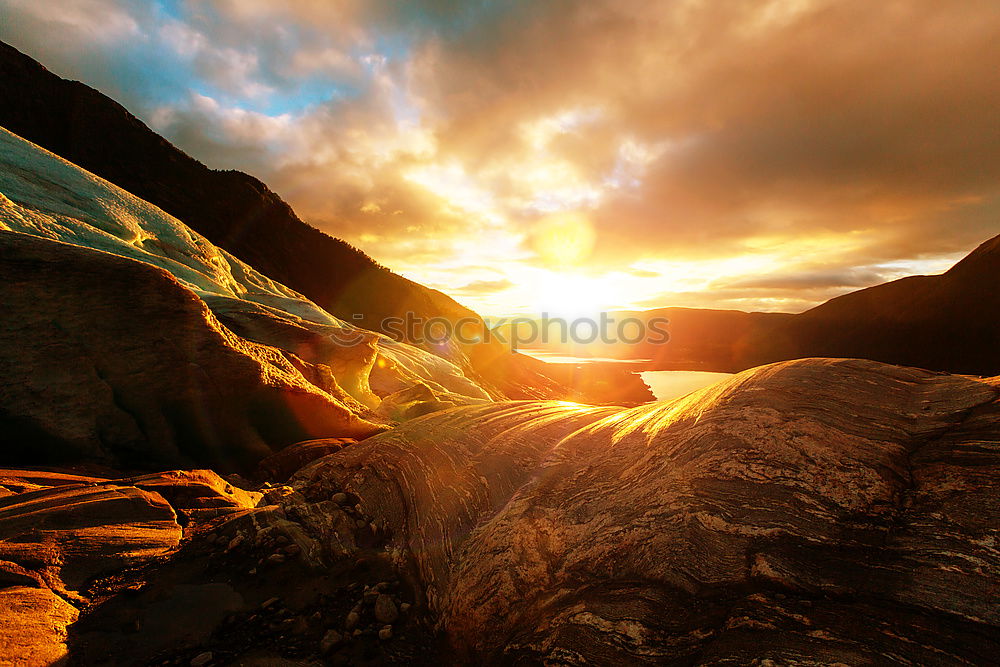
820,511
33,627
115,352
156,384
284,463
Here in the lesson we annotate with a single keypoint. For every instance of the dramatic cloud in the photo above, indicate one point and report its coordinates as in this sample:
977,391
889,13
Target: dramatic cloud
565,155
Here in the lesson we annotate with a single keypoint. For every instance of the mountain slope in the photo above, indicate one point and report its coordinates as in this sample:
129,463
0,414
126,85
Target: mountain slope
240,214
132,339
949,322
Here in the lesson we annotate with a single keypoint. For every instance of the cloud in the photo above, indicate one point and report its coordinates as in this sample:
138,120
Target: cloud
479,287
779,152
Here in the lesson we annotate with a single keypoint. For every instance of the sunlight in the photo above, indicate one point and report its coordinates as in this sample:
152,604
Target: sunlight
563,239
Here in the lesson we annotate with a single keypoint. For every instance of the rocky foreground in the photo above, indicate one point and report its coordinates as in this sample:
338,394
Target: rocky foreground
810,512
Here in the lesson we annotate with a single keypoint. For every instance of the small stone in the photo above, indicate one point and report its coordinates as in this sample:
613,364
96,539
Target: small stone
234,543
385,633
202,659
270,601
351,620
281,539
276,558
293,550
212,537
382,586
357,633
252,571
385,609
361,523
330,640
340,498
405,607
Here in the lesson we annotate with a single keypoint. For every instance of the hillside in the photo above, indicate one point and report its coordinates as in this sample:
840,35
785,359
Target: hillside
240,214
132,340
949,322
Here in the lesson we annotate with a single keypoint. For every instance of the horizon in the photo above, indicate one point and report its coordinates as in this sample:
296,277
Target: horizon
579,158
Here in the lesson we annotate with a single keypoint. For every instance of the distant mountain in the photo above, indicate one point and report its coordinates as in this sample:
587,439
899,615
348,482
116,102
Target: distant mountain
949,322
239,213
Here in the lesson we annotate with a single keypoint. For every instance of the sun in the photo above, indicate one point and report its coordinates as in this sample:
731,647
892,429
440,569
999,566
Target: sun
570,294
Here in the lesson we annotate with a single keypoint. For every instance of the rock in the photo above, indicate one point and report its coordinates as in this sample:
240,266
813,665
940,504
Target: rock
351,620
270,602
284,463
107,365
77,532
33,624
197,493
202,659
12,574
330,640
260,366
276,558
866,494
385,609
385,633
404,607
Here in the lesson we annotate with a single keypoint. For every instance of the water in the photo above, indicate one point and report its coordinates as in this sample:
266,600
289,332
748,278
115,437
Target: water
560,358
671,384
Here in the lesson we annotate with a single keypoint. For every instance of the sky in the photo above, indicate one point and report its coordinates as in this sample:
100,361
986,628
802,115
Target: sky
577,156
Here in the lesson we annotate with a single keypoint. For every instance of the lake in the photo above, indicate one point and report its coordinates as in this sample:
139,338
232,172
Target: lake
665,385
671,384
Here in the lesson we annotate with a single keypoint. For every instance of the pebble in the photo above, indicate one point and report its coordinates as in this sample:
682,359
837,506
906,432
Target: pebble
385,633
385,609
202,659
405,607
276,558
270,601
235,542
351,620
340,498
292,550
212,537
361,523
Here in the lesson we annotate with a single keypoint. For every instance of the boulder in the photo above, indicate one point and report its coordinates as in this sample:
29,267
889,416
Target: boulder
73,533
819,510
284,463
113,360
33,625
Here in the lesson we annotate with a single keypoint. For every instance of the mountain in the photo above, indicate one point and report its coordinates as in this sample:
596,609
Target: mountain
240,214
949,322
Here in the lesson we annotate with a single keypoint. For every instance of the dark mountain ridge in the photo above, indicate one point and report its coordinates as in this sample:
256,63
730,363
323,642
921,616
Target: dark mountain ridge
241,214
